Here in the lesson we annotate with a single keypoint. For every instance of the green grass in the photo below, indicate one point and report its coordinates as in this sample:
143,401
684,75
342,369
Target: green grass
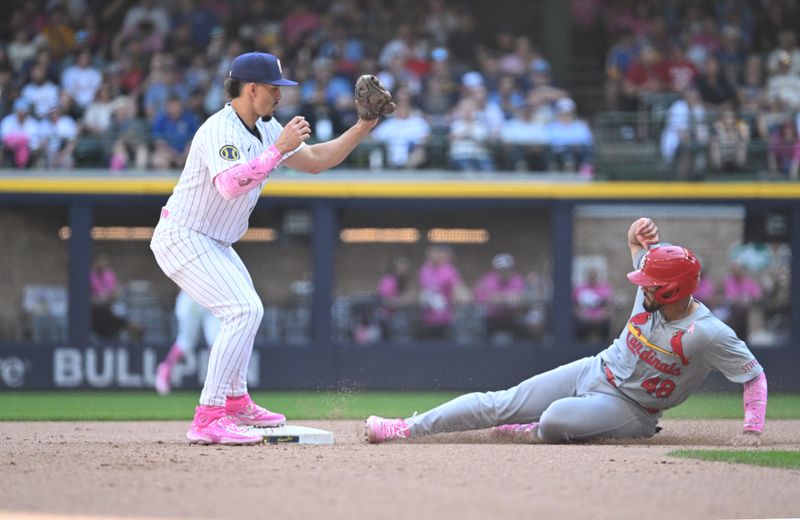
770,458
136,406
729,406
116,406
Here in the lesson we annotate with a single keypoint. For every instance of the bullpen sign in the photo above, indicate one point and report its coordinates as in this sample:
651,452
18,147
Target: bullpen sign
103,367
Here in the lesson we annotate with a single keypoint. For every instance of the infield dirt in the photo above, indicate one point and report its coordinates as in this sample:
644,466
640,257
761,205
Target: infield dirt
146,470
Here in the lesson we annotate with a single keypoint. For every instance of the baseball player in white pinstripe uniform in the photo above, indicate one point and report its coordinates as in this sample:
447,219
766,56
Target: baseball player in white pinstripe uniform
670,344
192,319
230,159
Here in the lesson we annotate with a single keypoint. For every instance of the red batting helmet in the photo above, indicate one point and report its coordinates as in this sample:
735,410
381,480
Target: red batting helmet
673,269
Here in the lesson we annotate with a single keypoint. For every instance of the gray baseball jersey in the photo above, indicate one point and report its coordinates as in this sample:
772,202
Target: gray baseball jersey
655,364
659,363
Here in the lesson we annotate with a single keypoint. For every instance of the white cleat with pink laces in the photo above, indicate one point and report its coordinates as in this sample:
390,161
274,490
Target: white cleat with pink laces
528,432
380,430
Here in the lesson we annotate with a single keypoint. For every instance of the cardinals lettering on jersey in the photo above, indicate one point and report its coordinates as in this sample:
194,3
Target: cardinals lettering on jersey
639,345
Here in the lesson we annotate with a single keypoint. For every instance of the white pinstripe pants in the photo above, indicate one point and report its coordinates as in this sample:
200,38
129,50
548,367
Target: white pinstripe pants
214,275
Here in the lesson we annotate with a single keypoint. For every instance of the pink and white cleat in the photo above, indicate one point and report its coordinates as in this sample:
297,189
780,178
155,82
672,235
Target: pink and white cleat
381,430
244,412
163,386
528,432
211,425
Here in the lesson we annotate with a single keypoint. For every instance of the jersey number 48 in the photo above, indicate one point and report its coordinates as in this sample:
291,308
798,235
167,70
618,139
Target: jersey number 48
658,387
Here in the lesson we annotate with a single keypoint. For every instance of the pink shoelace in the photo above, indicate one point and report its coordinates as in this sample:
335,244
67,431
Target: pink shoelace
395,428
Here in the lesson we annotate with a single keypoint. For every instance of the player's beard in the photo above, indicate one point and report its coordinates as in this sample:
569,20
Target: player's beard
267,118
650,305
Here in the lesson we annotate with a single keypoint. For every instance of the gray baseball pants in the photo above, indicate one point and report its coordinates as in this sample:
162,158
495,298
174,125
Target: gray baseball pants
574,402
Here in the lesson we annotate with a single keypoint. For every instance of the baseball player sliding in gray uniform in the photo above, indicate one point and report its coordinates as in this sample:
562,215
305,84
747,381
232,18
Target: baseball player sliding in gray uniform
669,345
192,318
230,159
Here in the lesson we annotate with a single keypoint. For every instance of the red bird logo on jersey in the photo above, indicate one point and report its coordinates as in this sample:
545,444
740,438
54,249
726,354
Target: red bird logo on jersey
677,345
676,342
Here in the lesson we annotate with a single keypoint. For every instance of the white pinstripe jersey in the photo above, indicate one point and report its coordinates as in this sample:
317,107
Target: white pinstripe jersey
220,143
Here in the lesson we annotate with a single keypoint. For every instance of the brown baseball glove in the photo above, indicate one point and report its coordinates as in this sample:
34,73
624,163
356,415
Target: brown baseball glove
372,98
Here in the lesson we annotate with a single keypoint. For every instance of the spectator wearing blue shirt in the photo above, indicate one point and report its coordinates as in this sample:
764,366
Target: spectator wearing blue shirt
200,19
507,95
619,59
570,140
345,51
163,83
323,76
173,130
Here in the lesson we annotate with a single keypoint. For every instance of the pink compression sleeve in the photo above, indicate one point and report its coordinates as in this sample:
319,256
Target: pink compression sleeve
241,178
755,403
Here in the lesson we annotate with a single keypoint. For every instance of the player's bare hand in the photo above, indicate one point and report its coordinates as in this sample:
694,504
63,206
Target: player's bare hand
295,132
643,232
748,439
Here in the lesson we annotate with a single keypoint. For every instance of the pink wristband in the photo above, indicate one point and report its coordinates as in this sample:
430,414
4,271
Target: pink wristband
755,403
240,179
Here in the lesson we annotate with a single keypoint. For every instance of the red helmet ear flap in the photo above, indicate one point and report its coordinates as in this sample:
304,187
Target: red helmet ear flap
678,289
674,270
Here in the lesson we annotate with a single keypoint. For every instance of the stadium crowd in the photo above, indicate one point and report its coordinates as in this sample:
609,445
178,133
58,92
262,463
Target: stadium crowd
721,78
125,83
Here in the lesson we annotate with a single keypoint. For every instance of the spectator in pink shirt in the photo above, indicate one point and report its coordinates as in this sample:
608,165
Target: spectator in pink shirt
394,290
103,280
19,133
709,292
105,292
439,281
501,293
593,301
742,292
705,289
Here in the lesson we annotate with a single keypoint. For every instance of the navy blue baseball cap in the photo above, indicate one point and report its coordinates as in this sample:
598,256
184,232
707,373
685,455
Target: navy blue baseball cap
258,67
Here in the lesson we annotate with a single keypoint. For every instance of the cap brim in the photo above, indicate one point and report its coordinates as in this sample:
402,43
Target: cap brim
283,82
641,279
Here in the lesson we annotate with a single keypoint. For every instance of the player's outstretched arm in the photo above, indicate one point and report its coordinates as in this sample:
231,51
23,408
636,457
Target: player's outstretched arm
372,100
642,234
319,157
755,411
